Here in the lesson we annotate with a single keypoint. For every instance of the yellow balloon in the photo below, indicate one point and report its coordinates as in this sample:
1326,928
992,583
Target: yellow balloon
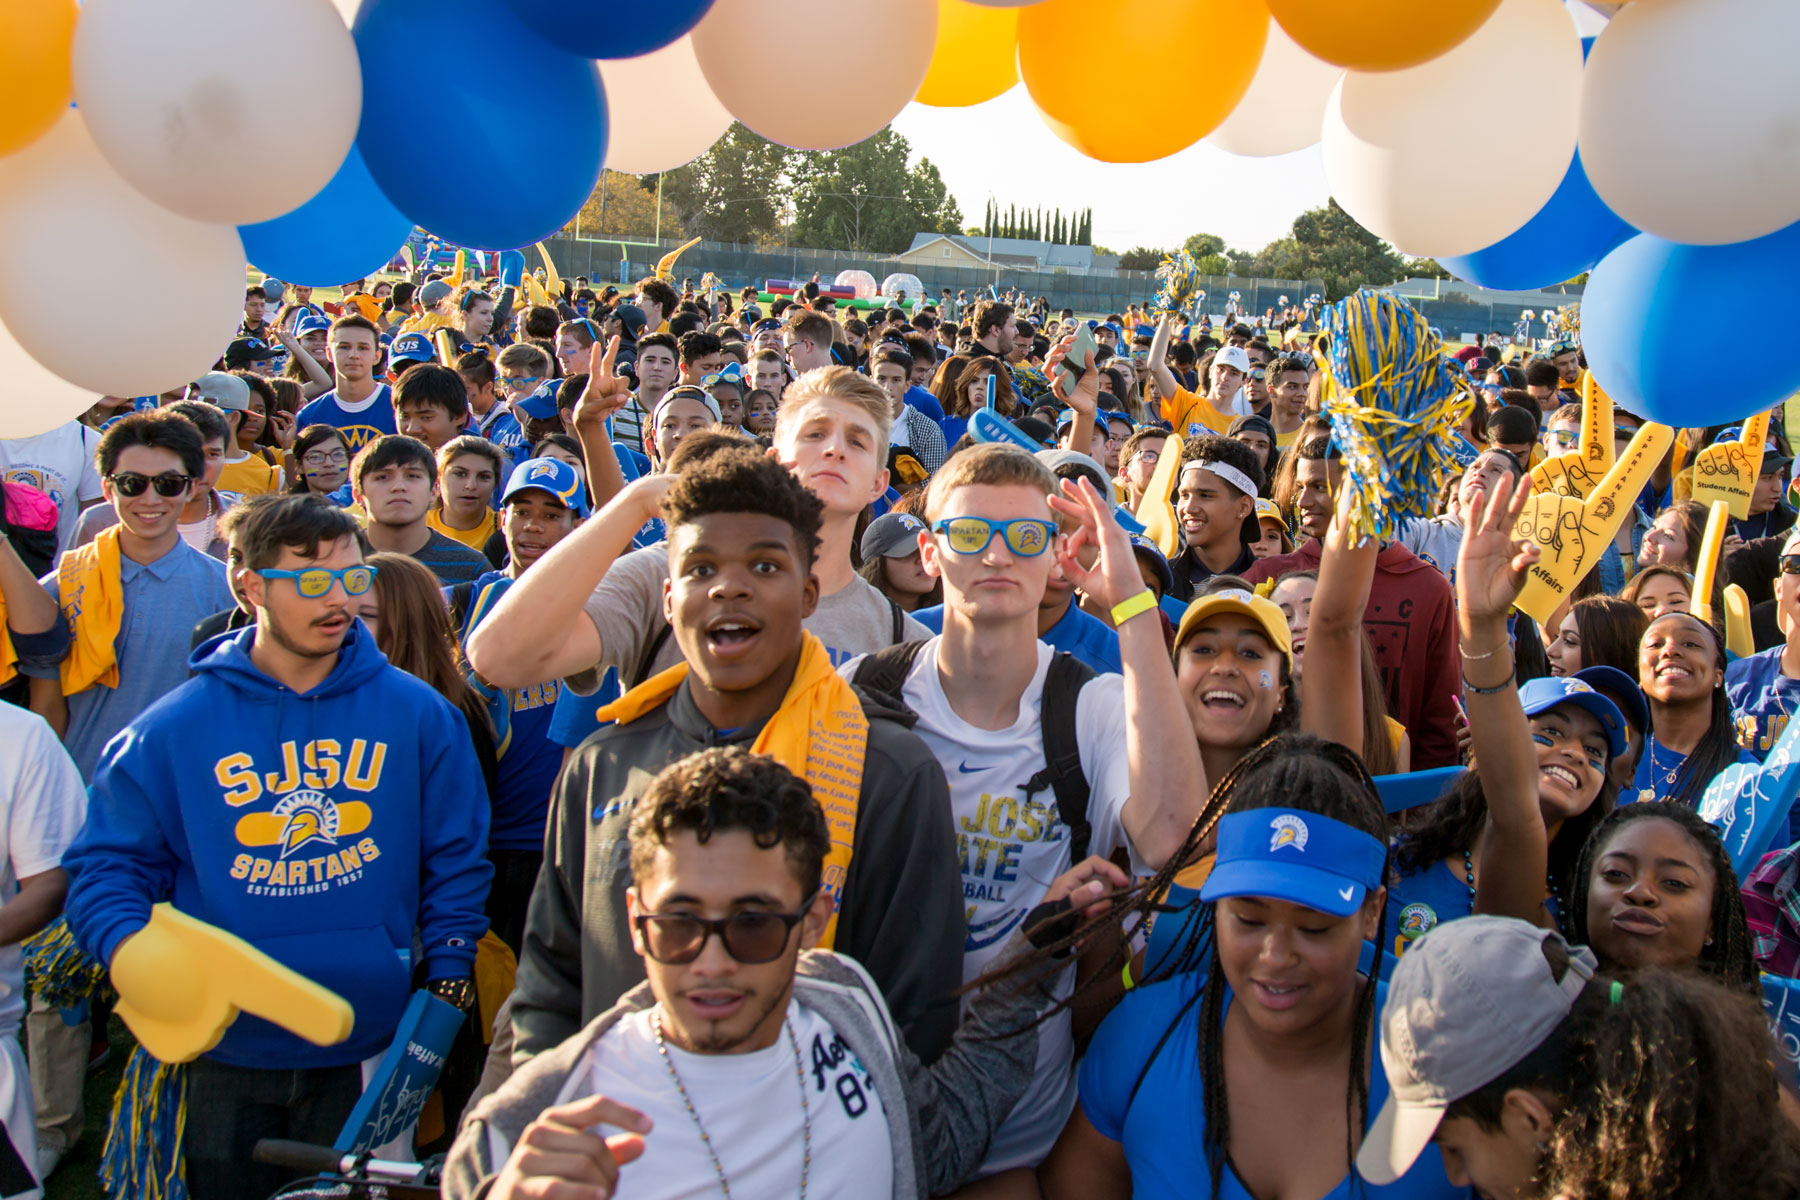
1078,92
34,60
1380,35
974,59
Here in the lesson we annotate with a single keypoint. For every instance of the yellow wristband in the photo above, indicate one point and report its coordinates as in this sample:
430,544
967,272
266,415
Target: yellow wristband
1124,610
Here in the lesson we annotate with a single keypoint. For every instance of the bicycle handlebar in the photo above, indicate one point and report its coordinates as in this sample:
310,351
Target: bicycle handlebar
324,1160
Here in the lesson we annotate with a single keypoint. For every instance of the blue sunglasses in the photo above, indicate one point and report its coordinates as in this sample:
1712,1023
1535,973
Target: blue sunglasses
1027,537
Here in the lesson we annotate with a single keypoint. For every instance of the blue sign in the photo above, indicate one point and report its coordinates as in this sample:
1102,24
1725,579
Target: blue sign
1750,802
391,1104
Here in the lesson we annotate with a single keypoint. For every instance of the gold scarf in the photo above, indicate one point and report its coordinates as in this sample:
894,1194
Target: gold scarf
93,601
819,732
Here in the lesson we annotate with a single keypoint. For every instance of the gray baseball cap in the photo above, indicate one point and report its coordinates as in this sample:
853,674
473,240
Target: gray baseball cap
227,391
434,293
1466,1004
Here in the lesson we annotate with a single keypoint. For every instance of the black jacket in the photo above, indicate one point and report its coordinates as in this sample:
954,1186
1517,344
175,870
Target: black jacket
902,913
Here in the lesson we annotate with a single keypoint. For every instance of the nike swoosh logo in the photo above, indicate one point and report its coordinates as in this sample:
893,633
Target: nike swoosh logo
1346,893
964,768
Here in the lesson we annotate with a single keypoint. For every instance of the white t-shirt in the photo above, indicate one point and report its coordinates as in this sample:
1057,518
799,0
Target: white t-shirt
43,804
751,1107
61,465
1012,848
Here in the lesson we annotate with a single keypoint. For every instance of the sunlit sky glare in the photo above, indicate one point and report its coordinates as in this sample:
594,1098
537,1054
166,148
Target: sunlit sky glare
1002,149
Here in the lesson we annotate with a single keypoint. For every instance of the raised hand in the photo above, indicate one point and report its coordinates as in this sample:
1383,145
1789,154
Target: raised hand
1574,530
1578,471
1114,577
1084,397
1497,552
1727,470
182,983
606,393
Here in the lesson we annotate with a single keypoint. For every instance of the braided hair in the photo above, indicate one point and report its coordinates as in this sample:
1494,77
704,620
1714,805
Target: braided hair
1727,956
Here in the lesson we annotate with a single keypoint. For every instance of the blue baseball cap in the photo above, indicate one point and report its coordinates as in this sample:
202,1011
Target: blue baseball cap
1622,690
412,347
1151,553
1542,695
548,475
1300,857
311,323
541,404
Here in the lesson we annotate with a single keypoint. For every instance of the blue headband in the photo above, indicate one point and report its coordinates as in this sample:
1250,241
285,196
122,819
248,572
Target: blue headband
1300,857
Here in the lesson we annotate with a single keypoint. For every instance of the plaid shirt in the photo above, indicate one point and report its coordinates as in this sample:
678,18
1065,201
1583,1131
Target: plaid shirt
1772,910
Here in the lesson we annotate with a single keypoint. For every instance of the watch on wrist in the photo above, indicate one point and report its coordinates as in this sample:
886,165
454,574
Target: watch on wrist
460,992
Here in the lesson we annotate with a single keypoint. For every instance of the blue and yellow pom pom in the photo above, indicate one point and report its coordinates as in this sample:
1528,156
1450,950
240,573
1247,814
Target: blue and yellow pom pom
59,972
1394,404
1178,280
142,1158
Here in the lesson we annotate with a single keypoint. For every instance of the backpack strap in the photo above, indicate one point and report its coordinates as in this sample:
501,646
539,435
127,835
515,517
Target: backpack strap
1062,750
648,659
899,615
886,669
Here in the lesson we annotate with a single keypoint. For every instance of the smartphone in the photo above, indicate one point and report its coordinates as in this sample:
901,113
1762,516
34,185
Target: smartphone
1074,363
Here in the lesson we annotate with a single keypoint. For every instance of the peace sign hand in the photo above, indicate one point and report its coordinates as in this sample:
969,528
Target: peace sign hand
1573,531
1578,472
606,392
1727,470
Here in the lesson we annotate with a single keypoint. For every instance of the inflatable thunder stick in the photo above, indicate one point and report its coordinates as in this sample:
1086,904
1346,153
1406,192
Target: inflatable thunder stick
665,266
987,425
182,982
1156,509
1573,531
1726,470
1577,472
1738,638
1749,802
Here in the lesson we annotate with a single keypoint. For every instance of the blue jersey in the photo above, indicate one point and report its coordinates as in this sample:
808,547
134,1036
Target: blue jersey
360,427
1762,699
1419,901
1162,1127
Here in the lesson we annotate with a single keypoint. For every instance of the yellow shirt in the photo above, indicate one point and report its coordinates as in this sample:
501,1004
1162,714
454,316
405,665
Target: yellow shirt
474,539
1193,415
251,476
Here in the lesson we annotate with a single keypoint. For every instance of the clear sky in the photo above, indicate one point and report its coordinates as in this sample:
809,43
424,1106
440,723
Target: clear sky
1247,201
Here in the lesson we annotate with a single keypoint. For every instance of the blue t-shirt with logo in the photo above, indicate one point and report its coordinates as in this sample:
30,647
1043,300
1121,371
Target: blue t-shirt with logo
360,427
1419,901
1163,1127
1762,700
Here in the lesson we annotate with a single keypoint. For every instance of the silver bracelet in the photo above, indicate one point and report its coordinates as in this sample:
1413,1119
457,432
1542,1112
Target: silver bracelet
1467,657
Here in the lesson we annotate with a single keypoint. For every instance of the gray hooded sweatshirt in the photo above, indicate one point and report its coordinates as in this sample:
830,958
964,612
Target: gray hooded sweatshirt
940,1118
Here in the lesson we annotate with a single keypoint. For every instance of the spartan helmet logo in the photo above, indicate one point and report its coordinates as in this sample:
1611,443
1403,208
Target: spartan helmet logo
309,817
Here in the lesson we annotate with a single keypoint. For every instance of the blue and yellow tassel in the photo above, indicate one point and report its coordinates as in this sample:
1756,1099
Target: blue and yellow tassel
1395,404
59,972
142,1159
1178,280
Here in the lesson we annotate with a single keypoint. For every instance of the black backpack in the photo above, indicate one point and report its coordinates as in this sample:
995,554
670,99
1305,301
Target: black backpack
886,671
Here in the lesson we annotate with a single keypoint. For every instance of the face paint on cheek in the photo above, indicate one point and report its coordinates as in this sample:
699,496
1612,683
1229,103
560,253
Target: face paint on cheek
1264,680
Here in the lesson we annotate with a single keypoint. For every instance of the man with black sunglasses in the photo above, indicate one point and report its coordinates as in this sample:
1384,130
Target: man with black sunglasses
750,1063
304,794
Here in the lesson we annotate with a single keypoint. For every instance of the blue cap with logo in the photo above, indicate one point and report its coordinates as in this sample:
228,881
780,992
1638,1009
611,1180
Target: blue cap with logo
541,404
1542,695
412,347
551,475
311,323
1300,857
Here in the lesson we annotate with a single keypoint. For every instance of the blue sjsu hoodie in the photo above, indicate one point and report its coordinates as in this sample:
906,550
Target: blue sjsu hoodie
324,828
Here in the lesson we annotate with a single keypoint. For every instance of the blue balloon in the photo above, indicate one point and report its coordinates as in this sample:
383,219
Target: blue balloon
511,268
487,162
1573,231
1638,331
609,28
348,231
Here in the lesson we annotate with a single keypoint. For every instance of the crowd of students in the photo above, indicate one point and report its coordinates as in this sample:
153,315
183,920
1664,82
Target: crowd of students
801,796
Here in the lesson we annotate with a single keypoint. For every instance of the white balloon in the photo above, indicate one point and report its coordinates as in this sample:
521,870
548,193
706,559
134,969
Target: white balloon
661,112
33,400
759,56
1690,120
66,220
1283,109
862,281
1391,138
183,97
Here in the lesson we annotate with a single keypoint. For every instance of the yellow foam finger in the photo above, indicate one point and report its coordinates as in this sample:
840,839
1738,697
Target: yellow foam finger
182,982
1726,471
1738,639
1156,512
1572,533
552,281
1596,426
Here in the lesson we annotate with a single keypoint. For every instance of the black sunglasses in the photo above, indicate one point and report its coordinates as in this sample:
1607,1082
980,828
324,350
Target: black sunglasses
1790,564
749,937
130,483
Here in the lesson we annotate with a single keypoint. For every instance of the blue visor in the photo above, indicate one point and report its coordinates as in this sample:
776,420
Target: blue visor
1300,857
